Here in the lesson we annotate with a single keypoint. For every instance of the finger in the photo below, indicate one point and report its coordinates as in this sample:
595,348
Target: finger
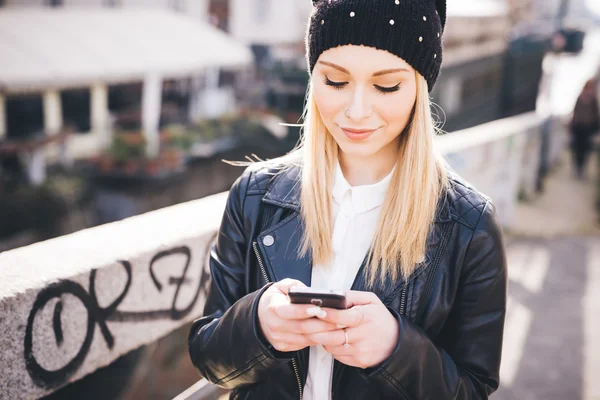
285,284
345,318
358,298
308,326
298,311
330,338
289,341
311,326
340,350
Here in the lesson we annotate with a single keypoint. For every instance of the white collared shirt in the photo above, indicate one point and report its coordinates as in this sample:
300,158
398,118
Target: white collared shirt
356,212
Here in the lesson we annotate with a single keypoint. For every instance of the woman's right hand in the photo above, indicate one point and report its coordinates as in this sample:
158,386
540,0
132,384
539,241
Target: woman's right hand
285,325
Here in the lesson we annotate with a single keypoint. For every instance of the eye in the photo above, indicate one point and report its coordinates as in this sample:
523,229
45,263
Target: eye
384,89
335,85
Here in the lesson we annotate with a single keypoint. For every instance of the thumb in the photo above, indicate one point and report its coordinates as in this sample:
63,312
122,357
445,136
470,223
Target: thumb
358,298
285,284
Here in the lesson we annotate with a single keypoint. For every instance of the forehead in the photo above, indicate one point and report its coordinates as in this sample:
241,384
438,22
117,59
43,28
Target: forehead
362,59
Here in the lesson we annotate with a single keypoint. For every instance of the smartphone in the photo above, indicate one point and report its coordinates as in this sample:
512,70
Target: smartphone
322,298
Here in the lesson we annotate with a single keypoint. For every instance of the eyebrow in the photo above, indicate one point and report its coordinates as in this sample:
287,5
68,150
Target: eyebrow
378,73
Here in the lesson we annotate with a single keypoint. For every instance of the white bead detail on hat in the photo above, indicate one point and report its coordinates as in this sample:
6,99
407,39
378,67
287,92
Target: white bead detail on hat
352,14
392,22
424,18
420,38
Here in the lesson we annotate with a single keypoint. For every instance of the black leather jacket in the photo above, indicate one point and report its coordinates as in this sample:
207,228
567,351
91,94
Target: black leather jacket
450,311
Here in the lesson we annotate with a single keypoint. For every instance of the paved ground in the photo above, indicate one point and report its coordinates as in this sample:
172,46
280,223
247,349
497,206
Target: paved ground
552,334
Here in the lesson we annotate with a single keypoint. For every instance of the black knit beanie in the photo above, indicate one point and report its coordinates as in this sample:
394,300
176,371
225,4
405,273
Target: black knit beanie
409,29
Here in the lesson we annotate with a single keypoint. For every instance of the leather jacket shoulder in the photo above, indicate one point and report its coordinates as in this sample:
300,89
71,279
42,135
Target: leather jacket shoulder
450,311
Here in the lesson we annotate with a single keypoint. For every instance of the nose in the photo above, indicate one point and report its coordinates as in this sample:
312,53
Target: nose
359,107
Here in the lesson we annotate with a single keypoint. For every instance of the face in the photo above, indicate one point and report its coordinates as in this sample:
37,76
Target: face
365,98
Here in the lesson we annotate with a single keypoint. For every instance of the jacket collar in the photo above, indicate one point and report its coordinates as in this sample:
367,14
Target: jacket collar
284,191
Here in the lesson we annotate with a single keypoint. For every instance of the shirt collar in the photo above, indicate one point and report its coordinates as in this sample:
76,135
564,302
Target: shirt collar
363,197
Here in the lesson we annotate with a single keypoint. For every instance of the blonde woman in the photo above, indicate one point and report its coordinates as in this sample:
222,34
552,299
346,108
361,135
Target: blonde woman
363,205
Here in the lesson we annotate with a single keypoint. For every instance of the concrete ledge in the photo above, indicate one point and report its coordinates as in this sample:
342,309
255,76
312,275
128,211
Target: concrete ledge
502,158
71,305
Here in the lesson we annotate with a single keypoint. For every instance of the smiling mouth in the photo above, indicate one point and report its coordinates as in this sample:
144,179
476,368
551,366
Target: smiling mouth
358,131
357,134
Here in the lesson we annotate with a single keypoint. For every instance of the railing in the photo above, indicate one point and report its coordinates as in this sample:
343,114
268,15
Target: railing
139,279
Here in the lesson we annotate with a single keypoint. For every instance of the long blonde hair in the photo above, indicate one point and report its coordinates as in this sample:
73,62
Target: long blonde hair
410,203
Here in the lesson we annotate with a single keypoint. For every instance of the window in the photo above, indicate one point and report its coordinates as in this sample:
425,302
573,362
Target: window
76,109
24,116
125,103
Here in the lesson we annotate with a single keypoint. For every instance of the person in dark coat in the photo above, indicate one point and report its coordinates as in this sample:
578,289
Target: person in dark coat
584,126
367,206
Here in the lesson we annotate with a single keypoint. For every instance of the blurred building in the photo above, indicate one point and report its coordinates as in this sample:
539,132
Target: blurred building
70,67
194,8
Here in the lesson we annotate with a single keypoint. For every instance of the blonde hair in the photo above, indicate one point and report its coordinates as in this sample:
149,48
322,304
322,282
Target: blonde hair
410,203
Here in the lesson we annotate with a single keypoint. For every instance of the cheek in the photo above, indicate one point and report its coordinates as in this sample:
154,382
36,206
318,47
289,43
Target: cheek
328,102
396,113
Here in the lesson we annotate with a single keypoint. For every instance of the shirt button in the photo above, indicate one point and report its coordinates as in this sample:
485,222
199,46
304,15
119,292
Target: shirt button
268,240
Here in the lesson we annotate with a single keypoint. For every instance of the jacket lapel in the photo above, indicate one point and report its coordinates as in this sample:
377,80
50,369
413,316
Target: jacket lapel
282,251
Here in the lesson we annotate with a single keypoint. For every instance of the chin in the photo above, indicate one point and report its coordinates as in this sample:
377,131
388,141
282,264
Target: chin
357,149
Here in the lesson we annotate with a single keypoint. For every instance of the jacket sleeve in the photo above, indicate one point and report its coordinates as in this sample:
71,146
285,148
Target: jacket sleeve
465,361
226,344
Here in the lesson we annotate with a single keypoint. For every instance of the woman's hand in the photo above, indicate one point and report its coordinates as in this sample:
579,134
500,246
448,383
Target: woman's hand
372,331
287,325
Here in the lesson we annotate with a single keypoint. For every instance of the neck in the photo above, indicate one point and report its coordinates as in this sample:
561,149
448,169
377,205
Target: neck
371,169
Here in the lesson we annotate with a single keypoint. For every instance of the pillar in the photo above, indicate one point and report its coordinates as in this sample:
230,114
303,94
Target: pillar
2,117
151,106
99,114
53,122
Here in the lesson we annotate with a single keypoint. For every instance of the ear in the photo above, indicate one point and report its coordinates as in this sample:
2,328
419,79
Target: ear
440,6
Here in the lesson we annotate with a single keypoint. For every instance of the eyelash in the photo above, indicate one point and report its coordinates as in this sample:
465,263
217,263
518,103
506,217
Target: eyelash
381,89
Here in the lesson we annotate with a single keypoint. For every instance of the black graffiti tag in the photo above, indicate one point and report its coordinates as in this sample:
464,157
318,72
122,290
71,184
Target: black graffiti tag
99,315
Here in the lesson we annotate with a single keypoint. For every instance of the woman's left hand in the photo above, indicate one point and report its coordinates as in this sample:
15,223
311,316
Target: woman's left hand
371,329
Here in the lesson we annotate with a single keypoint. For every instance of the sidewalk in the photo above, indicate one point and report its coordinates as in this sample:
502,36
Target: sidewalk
565,208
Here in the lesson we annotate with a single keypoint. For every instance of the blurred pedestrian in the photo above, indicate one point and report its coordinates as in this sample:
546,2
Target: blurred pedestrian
365,206
584,126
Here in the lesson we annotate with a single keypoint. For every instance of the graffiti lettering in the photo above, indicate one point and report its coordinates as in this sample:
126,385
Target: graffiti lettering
100,316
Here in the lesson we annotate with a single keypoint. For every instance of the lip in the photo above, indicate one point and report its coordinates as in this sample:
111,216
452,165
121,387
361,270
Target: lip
357,134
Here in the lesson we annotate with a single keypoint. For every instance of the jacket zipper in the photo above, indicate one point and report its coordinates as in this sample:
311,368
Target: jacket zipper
264,273
297,372
403,299
260,263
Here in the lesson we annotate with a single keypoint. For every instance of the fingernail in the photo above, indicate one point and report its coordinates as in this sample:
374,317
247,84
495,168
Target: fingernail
313,311
341,326
322,314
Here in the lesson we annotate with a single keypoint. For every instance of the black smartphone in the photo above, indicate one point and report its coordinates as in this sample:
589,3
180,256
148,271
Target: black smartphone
322,298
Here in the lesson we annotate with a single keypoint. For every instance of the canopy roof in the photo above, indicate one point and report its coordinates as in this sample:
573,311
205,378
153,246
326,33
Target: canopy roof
45,48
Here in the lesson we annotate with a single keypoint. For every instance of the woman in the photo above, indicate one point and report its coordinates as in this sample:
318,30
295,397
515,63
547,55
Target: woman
363,205
584,125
